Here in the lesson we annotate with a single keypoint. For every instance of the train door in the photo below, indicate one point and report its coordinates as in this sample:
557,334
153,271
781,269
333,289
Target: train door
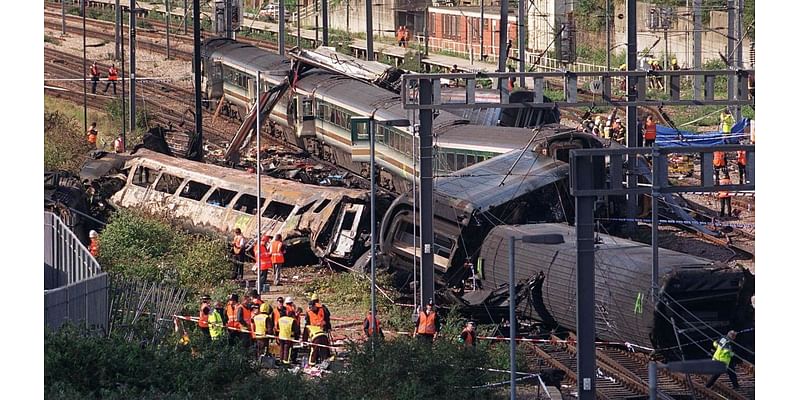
346,231
304,121
214,89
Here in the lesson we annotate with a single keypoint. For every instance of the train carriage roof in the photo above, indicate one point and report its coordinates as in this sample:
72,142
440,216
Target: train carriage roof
245,55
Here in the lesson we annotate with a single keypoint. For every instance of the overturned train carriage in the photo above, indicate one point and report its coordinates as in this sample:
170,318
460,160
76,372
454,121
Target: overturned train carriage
701,300
210,197
521,186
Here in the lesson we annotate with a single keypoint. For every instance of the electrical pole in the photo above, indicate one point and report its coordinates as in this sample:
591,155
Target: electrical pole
372,228
85,111
298,26
185,15
521,40
117,28
132,70
584,229
737,111
501,62
483,55
347,17
316,20
697,62
370,55
426,188
608,35
259,283
168,17
731,53
324,22
64,16
229,20
198,101
425,20
122,63
282,27
632,133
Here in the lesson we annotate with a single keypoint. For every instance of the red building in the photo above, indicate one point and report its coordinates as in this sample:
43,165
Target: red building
458,29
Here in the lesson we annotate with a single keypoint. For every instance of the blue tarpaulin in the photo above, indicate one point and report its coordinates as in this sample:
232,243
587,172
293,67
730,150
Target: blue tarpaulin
668,137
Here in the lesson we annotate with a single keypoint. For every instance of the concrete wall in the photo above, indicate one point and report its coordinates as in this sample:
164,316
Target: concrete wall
680,38
383,16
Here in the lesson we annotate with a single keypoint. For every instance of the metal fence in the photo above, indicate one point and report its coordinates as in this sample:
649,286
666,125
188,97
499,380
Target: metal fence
66,259
76,289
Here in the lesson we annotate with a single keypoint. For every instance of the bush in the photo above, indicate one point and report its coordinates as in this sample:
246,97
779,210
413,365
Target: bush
138,245
65,145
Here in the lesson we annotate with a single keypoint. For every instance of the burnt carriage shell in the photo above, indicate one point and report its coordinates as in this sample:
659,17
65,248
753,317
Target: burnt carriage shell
704,299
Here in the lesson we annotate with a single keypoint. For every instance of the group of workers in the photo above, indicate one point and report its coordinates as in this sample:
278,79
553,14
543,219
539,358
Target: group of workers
403,35
270,253
252,322
113,76
91,138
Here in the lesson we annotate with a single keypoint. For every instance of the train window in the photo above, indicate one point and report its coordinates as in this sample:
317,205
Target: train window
144,176
442,245
278,211
451,161
168,183
470,159
221,197
247,204
195,190
322,111
461,161
308,108
349,218
304,209
405,232
322,206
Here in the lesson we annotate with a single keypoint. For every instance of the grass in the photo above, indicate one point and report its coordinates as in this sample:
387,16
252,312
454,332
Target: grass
50,39
105,123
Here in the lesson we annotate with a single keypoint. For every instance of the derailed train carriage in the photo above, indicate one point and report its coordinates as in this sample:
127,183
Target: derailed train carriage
316,113
476,210
329,220
697,300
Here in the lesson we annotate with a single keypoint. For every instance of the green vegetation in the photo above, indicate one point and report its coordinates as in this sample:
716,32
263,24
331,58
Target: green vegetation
50,39
65,145
141,246
79,366
352,291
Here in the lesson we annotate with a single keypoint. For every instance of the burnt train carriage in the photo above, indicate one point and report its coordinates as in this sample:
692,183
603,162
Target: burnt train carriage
704,300
516,187
210,197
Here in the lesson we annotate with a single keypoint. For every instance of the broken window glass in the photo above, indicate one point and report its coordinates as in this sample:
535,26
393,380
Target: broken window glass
168,183
195,190
144,176
347,222
278,211
322,206
221,197
442,245
247,204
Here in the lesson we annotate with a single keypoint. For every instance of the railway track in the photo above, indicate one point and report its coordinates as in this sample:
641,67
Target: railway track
620,374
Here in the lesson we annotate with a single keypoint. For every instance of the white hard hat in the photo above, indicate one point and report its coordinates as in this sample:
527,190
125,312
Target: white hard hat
92,233
289,300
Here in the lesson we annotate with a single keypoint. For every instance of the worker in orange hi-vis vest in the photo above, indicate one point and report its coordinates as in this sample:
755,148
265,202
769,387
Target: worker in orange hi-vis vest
278,251
428,324
94,243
